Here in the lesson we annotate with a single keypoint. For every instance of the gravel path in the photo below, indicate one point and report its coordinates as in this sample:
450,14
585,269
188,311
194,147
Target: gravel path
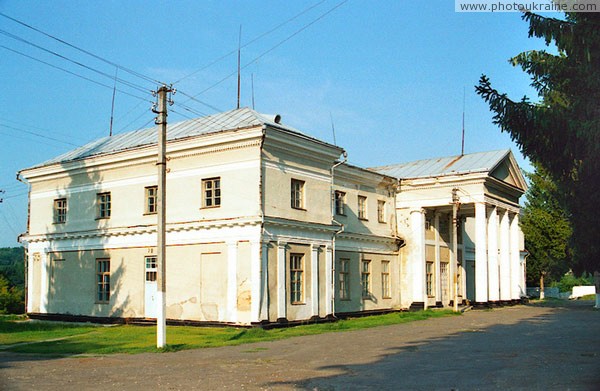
522,347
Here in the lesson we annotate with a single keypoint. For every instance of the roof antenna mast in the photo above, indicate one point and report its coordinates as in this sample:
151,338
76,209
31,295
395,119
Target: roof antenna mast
112,108
332,128
238,66
462,149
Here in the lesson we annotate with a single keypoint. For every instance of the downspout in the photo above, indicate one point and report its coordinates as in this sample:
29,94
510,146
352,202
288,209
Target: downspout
339,231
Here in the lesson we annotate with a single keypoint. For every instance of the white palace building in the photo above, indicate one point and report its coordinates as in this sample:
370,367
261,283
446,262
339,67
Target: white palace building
266,225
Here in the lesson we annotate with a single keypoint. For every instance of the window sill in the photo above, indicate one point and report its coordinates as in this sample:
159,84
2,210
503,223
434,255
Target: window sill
150,214
210,207
59,222
102,302
302,209
298,303
103,218
363,219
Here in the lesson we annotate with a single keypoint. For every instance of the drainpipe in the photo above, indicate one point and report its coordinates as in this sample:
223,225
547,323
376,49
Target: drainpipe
339,231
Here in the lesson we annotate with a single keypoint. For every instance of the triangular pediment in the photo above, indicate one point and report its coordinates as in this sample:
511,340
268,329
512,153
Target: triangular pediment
508,171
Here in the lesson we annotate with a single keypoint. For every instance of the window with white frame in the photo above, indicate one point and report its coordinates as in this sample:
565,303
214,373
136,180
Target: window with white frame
340,203
60,210
103,202
297,278
211,189
344,276
429,268
385,280
297,194
362,207
381,211
103,280
365,278
151,268
151,199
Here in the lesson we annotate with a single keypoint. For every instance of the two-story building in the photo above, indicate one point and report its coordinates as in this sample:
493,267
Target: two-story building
264,224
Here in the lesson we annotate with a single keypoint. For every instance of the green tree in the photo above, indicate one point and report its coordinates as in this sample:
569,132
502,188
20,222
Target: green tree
11,298
561,133
546,228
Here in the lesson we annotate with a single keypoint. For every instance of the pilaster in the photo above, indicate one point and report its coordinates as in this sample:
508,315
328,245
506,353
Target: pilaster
281,282
481,262
232,252
505,290
493,272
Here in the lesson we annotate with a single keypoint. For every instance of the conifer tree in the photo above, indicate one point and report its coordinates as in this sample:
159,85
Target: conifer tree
561,133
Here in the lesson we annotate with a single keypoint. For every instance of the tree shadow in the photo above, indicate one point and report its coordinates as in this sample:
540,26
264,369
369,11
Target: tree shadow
550,352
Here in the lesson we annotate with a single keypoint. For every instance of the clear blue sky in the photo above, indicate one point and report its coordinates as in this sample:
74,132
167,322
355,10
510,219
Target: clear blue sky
391,74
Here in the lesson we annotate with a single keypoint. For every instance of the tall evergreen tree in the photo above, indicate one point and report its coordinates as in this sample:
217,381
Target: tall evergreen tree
547,230
562,132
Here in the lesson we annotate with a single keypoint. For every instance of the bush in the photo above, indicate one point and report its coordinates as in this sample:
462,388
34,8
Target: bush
12,299
568,281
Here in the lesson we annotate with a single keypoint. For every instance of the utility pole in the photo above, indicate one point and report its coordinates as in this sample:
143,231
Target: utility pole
161,281
455,206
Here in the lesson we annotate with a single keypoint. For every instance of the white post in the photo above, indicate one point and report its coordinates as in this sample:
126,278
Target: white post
493,280
281,282
481,265
515,259
505,290
417,264
44,286
329,280
232,250
255,281
314,279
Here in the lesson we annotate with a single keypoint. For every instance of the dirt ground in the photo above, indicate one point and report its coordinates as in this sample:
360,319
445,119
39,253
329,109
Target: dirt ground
528,347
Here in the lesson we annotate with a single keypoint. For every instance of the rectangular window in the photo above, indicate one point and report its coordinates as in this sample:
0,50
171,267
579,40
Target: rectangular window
151,269
103,202
365,278
429,278
381,211
385,280
340,203
362,207
297,194
344,279
60,210
103,280
151,199
296,278
211,189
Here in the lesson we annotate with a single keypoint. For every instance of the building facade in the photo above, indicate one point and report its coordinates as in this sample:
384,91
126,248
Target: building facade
264,224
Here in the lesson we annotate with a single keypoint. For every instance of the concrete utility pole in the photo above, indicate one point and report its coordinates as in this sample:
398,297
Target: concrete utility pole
161,281
455,205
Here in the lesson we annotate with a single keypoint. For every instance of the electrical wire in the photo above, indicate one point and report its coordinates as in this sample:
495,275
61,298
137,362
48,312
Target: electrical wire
16,123
72,73
130,71
124,82
38,135
251,41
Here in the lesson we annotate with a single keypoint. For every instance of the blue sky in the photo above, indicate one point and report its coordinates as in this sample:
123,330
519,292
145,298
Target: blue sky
391,75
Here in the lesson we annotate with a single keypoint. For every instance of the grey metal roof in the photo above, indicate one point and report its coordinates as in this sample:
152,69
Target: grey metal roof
443,166
226,121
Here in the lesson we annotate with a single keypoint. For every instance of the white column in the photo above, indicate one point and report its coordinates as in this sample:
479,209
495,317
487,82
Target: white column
30,269
481,266
256,281
232,251
492,233
436,273
264,306
417,263
314,279
44,286
515,259
281,298
505,290
329,280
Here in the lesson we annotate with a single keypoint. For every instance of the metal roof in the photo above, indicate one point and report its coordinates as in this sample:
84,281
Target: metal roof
226,121
452,165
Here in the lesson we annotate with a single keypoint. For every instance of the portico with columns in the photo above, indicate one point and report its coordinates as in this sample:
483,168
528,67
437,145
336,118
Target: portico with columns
485,258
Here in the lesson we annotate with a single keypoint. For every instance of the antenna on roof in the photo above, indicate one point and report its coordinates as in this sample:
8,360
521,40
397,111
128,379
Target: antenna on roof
462,149
238,66
252,79
332,128
112,108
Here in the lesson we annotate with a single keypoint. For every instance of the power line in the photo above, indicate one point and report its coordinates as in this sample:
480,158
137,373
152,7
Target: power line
130,71
275,46
125,82
13,122
37,134
72,73
252,41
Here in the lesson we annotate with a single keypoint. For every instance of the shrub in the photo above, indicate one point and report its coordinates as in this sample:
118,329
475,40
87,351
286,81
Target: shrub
568,281
12,299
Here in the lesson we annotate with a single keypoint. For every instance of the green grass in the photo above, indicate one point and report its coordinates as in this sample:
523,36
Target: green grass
87,339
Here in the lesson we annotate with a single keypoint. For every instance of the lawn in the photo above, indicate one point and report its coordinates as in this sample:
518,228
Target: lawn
60,339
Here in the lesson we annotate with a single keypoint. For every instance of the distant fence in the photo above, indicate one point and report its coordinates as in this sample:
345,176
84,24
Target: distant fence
578,291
